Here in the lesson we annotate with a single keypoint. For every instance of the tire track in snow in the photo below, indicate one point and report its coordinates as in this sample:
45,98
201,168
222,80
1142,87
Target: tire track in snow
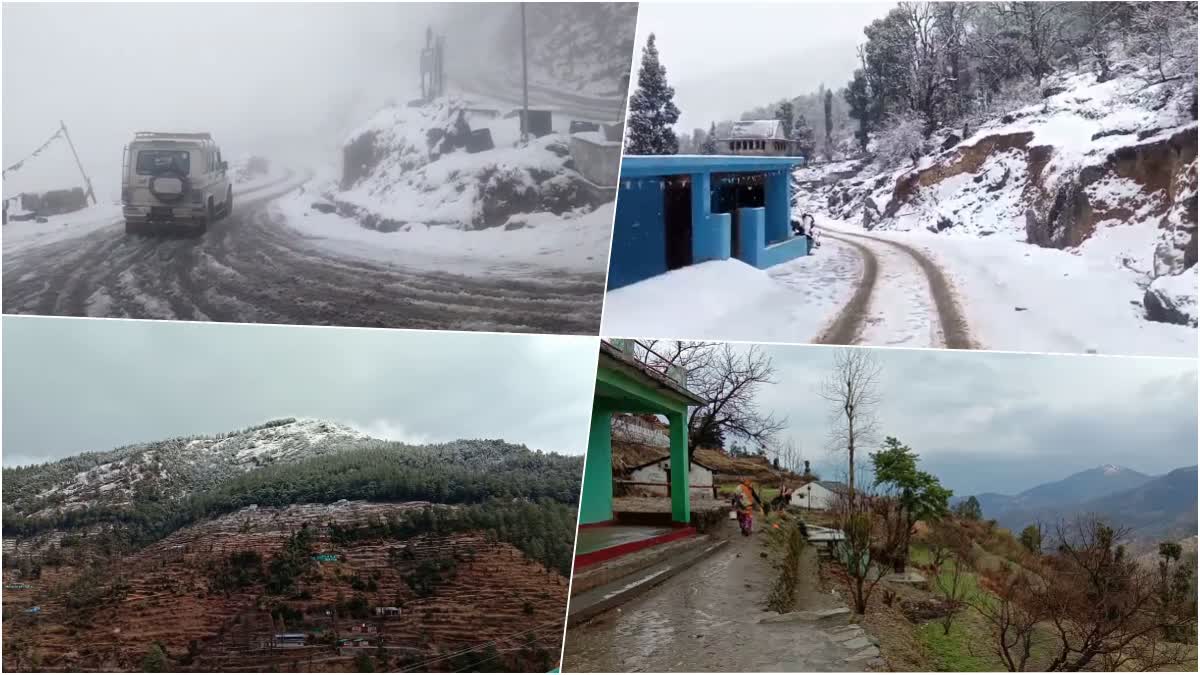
847,325
877,319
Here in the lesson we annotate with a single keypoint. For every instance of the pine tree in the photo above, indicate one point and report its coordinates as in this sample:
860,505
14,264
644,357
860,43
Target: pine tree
829,124
802,134
709,147
652,109
786,114
858,96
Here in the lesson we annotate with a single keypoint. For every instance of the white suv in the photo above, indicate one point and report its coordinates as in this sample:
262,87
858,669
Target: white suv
171,178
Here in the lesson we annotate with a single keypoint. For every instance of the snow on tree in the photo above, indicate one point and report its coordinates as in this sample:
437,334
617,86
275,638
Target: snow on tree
1039,28
901,140
859,97
652,109
709,146
1164,38
803,135
786,113
828,103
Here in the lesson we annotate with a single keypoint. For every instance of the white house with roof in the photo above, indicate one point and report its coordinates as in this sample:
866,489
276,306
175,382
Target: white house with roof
655,476
757,138
818,494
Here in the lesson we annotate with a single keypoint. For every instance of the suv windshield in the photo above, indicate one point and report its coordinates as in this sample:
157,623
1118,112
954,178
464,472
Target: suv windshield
151,162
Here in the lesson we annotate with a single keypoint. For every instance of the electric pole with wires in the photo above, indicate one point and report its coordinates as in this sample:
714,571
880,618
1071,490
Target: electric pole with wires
524,79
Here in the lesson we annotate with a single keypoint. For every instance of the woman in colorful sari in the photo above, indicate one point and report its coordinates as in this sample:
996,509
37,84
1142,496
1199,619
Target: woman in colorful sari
745,500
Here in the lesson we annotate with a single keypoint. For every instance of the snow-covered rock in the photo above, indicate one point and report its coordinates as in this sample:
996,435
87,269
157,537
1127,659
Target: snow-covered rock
405,166
1173,298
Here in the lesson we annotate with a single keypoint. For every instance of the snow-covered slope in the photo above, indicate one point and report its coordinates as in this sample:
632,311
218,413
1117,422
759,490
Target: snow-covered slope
1104,170
168,469
398,170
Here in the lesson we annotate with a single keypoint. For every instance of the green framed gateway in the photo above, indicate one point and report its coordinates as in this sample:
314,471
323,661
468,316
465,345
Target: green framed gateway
625,385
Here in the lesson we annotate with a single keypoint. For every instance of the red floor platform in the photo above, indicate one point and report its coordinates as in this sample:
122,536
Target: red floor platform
598,543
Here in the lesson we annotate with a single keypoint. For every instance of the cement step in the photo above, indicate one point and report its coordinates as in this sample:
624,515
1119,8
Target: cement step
609,571
588,604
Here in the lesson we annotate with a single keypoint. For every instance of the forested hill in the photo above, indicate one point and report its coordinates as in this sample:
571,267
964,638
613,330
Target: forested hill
461,472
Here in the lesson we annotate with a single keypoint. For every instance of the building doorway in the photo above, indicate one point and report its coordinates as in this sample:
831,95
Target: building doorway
677,217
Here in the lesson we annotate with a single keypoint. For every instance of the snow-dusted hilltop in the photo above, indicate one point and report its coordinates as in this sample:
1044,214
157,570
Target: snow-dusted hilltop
169,469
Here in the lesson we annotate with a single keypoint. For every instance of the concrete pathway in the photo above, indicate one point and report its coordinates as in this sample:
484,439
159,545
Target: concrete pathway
710,617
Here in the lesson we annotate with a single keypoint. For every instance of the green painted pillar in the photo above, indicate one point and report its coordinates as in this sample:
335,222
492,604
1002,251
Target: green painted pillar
681,499
596,501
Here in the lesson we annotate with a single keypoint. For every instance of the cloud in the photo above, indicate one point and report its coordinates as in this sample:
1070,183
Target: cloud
390,430
1004,422
75,385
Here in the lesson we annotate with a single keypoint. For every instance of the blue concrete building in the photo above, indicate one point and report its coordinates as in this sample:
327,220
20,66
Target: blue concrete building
679,210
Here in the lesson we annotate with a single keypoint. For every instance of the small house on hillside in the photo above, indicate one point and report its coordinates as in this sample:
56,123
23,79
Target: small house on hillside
818,494
654,477
641,429
757,138
641,446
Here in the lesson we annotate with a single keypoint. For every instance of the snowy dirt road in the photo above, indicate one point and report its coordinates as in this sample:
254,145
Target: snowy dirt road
253,267
902,299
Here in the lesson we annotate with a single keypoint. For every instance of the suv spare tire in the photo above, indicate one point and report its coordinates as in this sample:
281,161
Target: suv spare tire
169,187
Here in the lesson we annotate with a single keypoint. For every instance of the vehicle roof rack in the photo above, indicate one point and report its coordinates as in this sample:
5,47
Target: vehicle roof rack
203,136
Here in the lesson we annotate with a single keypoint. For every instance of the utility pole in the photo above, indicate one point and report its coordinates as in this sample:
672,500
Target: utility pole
524,79
86,181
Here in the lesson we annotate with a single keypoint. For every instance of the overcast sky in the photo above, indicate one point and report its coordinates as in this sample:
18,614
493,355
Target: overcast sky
262,77
994,422
74,385
725,58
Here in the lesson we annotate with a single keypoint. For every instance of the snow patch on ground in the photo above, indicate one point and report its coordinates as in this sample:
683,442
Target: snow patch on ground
22,236
574,242
1024,298
730,300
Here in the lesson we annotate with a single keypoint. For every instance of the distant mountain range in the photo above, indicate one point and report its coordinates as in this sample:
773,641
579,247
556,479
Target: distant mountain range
1154,506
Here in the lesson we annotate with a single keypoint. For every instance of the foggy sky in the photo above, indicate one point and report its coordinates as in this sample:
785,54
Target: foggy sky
74,385
998,422
725,58
277,78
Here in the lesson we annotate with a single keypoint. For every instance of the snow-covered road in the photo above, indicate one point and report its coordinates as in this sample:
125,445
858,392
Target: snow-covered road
257,266
1006,295
899,310
1019,297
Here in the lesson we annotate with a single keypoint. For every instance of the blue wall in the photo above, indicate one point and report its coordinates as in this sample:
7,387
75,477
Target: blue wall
778,205
711,237
639,248
754,249
783,251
